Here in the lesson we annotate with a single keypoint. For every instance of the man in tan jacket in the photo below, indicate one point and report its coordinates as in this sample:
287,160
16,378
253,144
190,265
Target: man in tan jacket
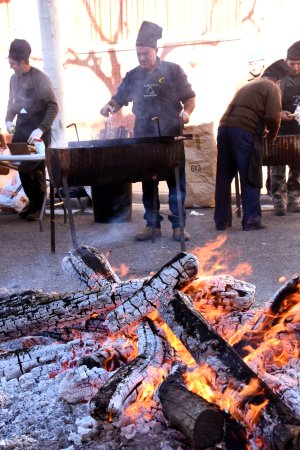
254,111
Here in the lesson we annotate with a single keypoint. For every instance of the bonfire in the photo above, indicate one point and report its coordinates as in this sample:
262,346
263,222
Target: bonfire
181,358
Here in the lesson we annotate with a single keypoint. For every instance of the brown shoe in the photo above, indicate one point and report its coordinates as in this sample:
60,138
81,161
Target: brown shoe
177,237
146,234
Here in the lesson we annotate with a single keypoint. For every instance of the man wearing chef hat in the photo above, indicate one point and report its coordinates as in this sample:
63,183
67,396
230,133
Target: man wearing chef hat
157,89
32,103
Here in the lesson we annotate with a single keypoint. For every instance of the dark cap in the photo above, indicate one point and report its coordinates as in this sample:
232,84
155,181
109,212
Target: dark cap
278,70
293,52
148,35
19,50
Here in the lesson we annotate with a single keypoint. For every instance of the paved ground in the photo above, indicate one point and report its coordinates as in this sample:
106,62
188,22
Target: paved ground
260,257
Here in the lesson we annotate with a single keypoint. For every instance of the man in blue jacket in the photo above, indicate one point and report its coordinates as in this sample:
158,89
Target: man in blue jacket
156,89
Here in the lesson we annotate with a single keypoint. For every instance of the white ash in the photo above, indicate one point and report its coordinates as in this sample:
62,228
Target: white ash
34,417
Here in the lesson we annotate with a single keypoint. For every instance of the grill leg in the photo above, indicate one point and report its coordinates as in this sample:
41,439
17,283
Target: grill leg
180,211
69,210
52,221
237,195
154,208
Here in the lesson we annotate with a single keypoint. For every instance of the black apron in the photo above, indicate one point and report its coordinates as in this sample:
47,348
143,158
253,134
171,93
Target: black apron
290,100
255,175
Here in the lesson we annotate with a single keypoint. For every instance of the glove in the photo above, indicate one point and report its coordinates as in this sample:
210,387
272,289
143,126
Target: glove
36,134
297,114
107,110
185,117
9,126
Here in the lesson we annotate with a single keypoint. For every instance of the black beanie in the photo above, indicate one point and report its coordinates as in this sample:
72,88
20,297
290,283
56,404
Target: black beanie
278,70
148,35
293,52
19,50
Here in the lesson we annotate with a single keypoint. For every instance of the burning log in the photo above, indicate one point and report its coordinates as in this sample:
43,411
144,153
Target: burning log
275,311
201,422
89,267
177,273
121,388
282,301
285,381
110,357
29,312
228,325
221,293
16,362
252,402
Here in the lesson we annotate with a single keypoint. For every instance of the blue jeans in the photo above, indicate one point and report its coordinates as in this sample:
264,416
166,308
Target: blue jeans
234,149
148,197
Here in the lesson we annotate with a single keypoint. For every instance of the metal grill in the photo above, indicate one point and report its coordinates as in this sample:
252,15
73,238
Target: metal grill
285,150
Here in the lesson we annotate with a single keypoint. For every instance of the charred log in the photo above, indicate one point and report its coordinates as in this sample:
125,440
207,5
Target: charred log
283,301
17,362
89,267
201,422
228,371
222,293
29,312
122,387
177,273
110,357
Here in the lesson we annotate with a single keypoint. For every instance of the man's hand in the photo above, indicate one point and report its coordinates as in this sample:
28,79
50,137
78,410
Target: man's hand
287,116
9,126
36,134
185,117
107,110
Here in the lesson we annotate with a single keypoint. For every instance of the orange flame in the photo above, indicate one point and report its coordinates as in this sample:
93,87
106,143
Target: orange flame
212,261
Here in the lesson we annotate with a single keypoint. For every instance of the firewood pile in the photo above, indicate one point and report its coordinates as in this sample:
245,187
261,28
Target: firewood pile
173,351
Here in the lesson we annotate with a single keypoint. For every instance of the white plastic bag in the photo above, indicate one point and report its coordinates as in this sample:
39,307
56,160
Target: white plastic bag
12,195
297,114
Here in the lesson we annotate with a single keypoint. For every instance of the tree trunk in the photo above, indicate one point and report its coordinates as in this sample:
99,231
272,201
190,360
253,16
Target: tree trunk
53,62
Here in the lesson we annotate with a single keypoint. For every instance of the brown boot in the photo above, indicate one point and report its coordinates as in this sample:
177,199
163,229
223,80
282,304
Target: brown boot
177,237
146,234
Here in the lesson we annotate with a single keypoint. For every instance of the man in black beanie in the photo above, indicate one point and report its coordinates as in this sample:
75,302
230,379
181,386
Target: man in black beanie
286,192
156,89
254,111
33,103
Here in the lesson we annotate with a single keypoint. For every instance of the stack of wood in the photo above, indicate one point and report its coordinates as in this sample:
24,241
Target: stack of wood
132,346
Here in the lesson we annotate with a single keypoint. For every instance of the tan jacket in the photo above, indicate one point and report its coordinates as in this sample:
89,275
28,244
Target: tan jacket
257,101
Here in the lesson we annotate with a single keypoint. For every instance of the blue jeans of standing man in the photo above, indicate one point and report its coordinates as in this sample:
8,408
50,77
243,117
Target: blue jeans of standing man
148,197
234,149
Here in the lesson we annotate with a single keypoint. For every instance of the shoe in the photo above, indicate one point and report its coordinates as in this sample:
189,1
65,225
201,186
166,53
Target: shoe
292,207
25,212
222,227
146,234
254,226
279,210
177,237
33,216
